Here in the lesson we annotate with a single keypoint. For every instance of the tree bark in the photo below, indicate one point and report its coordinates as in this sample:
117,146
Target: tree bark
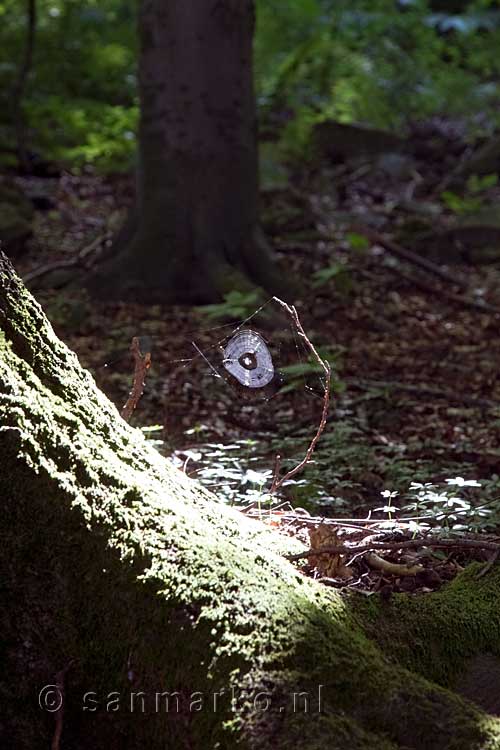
120,576
195,232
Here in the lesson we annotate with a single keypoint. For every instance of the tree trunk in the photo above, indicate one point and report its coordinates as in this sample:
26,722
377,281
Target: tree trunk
195,234
123,580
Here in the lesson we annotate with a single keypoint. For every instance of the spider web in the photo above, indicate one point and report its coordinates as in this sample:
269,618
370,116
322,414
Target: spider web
228,434
256,422
201,360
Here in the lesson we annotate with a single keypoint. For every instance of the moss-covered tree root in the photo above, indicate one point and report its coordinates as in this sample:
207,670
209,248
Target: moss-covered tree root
119,570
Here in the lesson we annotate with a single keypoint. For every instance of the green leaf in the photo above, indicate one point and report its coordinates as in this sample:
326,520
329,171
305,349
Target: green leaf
357,241
236,305
337,272
477,184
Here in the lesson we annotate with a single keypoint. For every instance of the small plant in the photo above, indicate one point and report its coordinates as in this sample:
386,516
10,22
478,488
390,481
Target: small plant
477,184
337,273
432,506
388,508
294,374
357,242
236,305
473,200
459,204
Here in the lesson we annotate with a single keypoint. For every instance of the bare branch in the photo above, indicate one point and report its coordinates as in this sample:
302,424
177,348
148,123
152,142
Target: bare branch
59,713
142,365
80,259
405,544
458,299
277,481
409,256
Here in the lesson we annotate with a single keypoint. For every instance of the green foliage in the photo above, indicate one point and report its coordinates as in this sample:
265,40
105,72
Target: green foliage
459,204
357,241
86,132
374,61
236,305
477,184
473,200
296,372
81,100
337,273
452,507
378,62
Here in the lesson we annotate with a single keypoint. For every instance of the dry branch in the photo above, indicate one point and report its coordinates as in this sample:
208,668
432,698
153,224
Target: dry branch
277,481
342,549
142,365
409,256
59,713
457,299
80,259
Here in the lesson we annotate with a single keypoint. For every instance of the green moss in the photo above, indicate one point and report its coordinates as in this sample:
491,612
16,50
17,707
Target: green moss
119,564
435,634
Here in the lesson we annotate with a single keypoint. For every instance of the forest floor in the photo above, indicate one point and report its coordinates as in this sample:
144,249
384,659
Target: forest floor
415,397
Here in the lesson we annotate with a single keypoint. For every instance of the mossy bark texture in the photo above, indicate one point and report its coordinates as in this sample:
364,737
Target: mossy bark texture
126,581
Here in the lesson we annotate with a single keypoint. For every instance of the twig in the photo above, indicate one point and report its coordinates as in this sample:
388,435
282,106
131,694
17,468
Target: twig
59,713
276,473
409,256
305,520
142,365
488,566
76,260
407,544
277,481
458,299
